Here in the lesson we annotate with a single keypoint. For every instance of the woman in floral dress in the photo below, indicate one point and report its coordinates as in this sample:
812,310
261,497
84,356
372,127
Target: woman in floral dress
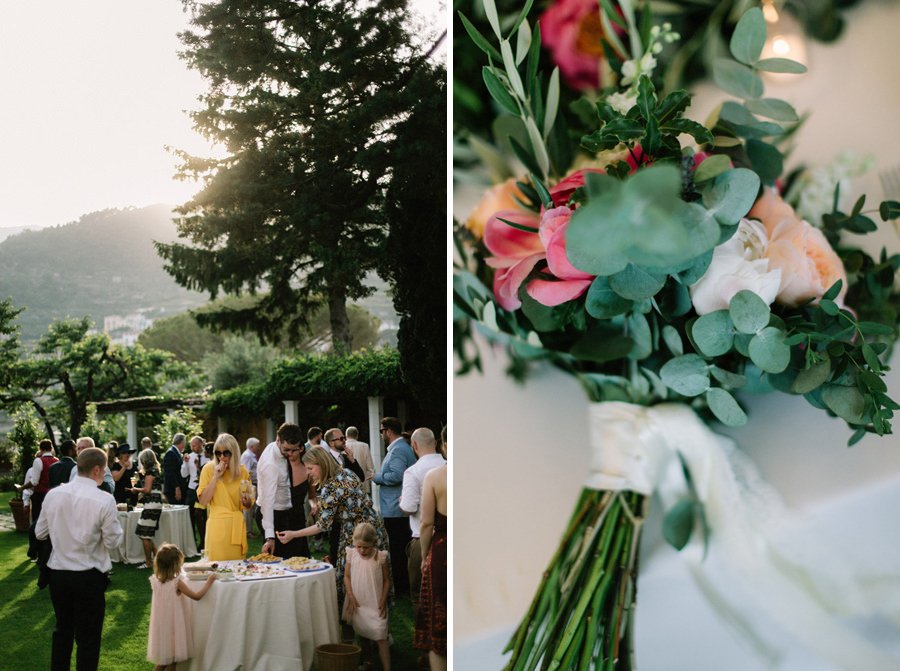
340,500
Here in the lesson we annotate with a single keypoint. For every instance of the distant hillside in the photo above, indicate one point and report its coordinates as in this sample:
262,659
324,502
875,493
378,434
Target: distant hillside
7,231
103,264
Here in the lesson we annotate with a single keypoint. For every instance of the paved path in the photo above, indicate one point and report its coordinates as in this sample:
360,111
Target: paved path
6,522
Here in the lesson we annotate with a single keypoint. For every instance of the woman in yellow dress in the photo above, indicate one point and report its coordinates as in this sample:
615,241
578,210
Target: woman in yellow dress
222,492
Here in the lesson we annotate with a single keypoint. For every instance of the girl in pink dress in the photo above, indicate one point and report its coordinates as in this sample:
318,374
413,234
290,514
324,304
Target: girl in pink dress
170,640
367,584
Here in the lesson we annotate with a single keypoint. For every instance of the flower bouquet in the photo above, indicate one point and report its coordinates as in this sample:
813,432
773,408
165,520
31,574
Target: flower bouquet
654,258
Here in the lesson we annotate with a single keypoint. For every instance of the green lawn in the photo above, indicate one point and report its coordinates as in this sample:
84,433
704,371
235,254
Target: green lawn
27,621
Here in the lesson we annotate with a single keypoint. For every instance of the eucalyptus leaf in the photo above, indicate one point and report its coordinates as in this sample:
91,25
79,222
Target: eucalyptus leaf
688,375
635,283
749,312
712,167
699,267
673,340
639,332
768,350
601,302
678,523
773,108
727,378
767,160
812,377
730,195
713,333
736,79
749,36
725,407
845,402
782,65
600,346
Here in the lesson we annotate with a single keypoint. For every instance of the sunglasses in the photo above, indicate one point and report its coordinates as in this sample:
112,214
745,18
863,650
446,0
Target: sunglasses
338,438
225,453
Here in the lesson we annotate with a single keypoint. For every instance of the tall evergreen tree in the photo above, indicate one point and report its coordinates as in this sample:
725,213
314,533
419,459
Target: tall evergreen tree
304,96
416,264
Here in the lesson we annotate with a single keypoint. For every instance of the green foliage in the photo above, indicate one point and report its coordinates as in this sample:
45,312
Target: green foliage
183,420
103,428
70,367
26,433
305,99
241,361
356,375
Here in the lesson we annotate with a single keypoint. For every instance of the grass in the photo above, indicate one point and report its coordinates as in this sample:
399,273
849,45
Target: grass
27,620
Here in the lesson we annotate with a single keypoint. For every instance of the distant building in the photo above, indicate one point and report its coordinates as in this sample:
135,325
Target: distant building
125,330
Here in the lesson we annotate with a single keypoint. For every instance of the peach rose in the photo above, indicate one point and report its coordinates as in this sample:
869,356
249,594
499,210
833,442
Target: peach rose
808,264
499,197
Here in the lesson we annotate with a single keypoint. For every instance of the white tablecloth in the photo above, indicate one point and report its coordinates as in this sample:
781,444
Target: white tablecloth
174,527
264,625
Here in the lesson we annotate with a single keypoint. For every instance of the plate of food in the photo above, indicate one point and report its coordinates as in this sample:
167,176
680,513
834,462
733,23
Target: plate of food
199,575
263,558
258,571
304,565
194,566
225,574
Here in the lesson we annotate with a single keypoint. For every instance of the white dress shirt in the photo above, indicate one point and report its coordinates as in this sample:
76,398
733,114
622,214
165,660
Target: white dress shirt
83,525
191,468
411,495
273,490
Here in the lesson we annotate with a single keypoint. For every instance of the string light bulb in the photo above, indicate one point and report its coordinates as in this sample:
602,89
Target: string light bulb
784,37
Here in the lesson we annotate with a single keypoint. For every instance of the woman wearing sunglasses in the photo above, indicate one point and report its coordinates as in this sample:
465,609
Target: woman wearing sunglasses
225,498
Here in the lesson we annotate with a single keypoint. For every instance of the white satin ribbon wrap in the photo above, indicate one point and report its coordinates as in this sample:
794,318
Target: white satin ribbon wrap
788,575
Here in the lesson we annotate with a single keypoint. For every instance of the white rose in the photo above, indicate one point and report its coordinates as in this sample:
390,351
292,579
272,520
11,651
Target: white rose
737,264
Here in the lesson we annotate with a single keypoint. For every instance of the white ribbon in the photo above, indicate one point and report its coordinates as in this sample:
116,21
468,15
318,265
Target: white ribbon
789,575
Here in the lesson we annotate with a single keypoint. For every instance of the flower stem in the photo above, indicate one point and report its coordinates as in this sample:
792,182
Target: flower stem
582,614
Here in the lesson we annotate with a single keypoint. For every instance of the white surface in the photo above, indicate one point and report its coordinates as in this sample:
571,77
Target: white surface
174,527
523,451
265,625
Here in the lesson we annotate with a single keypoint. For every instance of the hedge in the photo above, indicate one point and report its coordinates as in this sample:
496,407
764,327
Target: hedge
357,375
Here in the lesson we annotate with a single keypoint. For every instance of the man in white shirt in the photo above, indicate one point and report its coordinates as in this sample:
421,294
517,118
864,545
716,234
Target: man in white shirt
83,524
192,463
425,447
273,492
363,456
250,460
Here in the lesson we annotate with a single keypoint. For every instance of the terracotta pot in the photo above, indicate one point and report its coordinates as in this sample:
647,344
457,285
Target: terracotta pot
21,516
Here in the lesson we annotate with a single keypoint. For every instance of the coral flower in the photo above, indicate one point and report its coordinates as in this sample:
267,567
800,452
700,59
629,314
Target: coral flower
572,32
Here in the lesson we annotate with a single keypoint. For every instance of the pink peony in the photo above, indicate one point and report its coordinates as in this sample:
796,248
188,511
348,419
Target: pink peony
808,264
571,31
570,282
515,253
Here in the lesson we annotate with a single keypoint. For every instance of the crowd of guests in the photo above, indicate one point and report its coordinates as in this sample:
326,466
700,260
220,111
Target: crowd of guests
303,488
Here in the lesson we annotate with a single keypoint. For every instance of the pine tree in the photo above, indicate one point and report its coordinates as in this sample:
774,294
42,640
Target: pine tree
304,96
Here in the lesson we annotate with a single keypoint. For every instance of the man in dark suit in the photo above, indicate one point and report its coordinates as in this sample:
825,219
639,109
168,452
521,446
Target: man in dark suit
61,471
174,486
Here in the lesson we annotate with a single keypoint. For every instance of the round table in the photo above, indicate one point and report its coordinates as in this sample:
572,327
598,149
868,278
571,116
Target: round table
264,625
174,527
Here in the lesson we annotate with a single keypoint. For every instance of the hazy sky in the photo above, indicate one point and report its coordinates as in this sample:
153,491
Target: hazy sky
93,92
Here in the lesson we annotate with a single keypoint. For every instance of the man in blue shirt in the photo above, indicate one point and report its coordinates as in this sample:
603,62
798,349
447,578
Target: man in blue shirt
399,457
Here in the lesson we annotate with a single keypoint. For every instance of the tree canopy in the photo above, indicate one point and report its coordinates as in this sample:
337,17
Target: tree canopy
304,97
71,367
